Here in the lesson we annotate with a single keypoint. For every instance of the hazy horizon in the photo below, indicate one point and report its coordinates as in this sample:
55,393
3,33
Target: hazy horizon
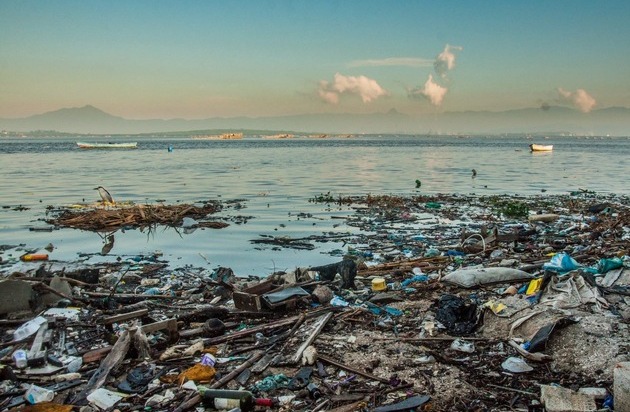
553,120
208,59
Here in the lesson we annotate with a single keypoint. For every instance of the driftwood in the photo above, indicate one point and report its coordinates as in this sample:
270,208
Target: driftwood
169,324
46,288
319,325
141,344
125,316
340,365
536,357
427,264
115,356
250,331
129,296
138,216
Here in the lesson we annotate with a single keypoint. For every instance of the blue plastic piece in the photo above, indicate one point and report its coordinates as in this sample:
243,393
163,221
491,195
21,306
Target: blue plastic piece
561,262
414,279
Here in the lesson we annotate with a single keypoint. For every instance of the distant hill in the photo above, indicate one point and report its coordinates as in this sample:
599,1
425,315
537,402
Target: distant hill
614,121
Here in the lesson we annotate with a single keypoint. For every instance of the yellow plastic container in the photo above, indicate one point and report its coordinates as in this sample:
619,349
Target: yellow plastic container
378,284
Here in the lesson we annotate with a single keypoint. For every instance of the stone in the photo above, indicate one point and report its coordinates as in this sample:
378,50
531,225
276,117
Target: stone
559,399
17,295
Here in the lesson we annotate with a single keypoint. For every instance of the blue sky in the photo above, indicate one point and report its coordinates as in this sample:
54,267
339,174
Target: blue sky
197,59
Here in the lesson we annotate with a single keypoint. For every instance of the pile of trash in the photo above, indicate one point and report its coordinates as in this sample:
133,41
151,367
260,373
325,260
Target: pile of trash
111,217
440,303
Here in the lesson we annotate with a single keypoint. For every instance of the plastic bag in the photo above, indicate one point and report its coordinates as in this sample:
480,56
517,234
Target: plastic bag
561,262
605,265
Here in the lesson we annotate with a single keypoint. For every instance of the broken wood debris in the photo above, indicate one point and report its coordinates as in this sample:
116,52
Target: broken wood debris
135,216
358,348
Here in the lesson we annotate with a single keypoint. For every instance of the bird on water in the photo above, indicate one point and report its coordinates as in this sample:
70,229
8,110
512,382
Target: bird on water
474,173
105,196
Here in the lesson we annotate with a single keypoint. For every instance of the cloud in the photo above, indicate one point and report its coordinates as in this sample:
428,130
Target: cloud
393,61
445,61
327,95
431,91
579,99
368,89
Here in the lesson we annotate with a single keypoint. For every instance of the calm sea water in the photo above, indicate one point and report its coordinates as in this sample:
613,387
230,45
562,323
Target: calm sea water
276,178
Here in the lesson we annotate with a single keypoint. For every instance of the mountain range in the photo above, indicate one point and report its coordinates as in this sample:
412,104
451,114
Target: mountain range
614,121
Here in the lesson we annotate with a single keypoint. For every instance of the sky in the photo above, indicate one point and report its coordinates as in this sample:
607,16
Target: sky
197,59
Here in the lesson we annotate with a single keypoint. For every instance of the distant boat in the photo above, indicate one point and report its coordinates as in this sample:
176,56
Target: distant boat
540,147
224,136
130,145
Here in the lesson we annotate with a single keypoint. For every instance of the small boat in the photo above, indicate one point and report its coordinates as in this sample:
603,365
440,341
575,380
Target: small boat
130,145
540,147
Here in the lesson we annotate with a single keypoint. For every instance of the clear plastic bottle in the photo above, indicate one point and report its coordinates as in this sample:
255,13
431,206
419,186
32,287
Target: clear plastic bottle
36,394
29,328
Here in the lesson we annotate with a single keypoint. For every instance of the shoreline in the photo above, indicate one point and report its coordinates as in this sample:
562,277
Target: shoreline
397,340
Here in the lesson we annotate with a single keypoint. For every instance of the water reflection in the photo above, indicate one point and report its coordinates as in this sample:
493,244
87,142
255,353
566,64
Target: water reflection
276,178
108,241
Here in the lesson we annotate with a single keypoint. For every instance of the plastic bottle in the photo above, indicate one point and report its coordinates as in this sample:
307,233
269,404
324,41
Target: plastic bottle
29,328
19,356
228,399
37,394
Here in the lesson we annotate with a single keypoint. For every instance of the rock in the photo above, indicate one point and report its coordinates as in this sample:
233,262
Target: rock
622,386
558,399
61,286
309,356
323,294
595,393
17,295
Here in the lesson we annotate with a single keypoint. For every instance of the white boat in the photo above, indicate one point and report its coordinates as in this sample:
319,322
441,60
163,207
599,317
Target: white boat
540,147
129,145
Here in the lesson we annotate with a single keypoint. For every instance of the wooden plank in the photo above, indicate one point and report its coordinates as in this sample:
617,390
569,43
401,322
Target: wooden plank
170,324
117,354
96,354
37,355
319,325
128,296
125,316
340,365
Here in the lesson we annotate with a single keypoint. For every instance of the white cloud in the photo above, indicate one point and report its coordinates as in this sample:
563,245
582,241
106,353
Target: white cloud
326,94
368,89
445,61
393,61
431,91
579,99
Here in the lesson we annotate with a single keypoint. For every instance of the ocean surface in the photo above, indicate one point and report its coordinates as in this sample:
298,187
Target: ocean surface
274,181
